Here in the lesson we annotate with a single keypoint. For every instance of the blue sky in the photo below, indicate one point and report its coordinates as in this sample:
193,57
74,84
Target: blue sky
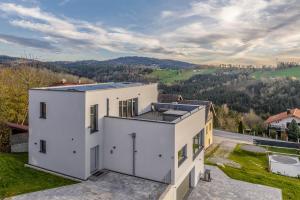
206,31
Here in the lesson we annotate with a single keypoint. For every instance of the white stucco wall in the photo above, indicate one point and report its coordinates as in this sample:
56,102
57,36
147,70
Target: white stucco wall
185,130
282,123
152,139
63,131
146,95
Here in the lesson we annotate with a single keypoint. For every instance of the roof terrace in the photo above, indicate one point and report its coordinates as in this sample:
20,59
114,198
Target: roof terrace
169,112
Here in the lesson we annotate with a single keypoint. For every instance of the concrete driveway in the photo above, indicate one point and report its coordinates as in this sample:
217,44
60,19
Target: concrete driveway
110,186
224,188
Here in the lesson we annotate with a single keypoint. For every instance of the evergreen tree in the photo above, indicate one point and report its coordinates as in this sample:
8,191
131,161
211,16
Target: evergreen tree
241,127
294,131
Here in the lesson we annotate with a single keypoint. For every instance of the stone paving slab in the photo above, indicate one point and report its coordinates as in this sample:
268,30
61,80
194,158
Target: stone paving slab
224,188
111,186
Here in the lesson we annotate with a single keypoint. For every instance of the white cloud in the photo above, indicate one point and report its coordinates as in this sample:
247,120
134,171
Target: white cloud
208,31
167,13
236,29
64,2
77,33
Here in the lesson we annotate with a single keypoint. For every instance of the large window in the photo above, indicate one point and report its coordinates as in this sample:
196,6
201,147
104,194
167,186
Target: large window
128,108
94,118
182,155
43,110
198,143
42,146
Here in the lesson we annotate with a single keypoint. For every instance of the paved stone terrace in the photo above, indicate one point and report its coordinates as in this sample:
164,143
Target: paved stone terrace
224,188
111,186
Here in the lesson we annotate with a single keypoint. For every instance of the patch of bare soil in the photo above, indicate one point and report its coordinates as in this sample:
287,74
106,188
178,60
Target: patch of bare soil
220,156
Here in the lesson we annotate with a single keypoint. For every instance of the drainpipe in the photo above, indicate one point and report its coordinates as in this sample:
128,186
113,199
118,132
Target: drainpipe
133,136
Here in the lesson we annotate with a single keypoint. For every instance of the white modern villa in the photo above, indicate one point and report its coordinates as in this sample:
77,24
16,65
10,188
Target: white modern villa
79,130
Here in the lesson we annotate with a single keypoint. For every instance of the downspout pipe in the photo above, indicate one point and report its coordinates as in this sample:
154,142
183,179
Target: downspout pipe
133,136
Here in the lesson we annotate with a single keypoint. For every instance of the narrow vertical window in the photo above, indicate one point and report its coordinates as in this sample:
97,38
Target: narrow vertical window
43,110
94,118
135,107
42,146
107,107
120,109
124,109
130,111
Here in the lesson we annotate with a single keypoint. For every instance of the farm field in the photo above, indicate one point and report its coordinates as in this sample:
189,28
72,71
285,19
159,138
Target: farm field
289,72
169,76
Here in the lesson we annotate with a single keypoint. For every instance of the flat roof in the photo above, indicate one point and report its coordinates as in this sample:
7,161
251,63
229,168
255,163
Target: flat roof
91,87
175,112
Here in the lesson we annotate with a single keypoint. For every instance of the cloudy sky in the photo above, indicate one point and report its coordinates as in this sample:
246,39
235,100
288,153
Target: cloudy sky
206,31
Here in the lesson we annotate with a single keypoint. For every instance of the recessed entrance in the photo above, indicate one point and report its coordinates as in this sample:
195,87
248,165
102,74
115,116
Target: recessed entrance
94,159
184,188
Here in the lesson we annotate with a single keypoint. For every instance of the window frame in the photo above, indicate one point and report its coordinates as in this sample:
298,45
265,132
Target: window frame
200,138
43,146
128,108
43,110
184,155
94,118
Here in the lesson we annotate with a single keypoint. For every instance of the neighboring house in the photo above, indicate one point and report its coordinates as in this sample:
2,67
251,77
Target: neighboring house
18,138
79,130
209,116
281,121
210,113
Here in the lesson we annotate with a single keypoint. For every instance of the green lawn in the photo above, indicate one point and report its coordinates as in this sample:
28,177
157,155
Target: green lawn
282,150
169,76
290,72
254,170
16,179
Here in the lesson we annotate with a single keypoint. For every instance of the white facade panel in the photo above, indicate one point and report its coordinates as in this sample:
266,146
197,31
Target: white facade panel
146,95
154,147
185,130
63,131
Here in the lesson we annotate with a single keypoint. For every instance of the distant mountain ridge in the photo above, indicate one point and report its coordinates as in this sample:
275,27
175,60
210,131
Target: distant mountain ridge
6,59
129,61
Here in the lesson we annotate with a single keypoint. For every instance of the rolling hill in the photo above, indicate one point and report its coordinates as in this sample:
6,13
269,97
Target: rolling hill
131,61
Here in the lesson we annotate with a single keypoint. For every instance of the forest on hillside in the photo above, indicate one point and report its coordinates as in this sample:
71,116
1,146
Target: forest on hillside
240,98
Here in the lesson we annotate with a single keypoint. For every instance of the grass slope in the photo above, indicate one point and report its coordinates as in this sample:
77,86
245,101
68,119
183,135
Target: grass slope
255,170
16,179
283,150
169,76
290,72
